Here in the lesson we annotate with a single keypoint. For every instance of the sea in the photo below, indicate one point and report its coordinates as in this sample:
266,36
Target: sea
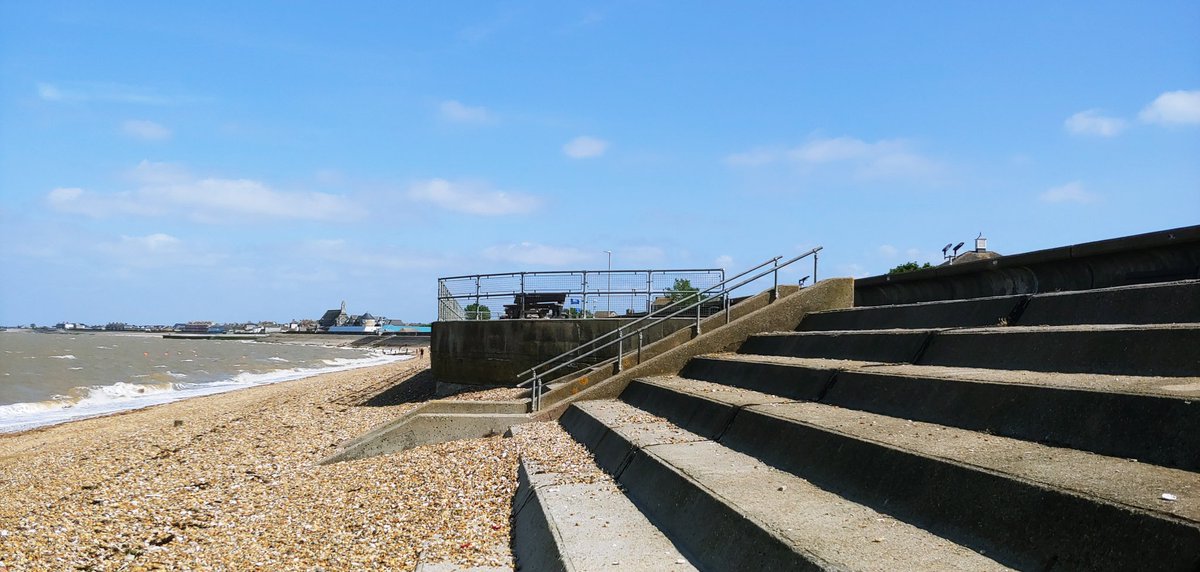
50,378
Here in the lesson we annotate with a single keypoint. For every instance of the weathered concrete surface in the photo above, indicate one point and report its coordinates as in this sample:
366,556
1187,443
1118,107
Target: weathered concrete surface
493,352
1149,350
942,314
426,428
873,345
784,313
584,526
731,512
1170,302
1156,256
1025,500
1098,413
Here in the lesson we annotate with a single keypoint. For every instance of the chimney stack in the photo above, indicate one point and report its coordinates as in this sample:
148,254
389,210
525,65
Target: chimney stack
980,243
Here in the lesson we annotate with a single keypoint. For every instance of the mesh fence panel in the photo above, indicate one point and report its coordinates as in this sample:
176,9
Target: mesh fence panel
567,294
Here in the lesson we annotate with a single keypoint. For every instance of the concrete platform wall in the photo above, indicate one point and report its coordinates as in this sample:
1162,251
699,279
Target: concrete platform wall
494,352
1139,259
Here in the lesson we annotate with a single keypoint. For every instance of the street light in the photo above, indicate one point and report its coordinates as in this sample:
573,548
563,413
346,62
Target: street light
608,295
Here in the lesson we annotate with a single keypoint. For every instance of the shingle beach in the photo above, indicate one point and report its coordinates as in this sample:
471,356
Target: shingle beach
231,482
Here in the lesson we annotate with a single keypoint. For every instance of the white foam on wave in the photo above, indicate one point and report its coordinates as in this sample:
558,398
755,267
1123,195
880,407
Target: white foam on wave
278,359
122,396
65,356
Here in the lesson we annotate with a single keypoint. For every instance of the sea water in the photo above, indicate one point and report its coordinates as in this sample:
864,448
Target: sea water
48,378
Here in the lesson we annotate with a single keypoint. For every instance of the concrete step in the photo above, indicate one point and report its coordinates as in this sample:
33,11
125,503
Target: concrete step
1025,504
732,512
561,522
1164,303
1147,350
870,345
951,314
1151,419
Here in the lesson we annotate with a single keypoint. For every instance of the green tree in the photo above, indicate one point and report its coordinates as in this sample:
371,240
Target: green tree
909,267
683,291
478,312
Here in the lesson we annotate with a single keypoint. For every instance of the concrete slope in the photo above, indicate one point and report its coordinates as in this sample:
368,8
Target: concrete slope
732,512
1029,505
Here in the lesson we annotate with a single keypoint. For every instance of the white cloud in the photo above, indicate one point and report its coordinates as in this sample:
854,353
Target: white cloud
533,253
157,250
166,189
1091,122
724,261
459,113
363,259
106,92
862,160
477,199
888,251
147,130
1072,192
1173,107
584,147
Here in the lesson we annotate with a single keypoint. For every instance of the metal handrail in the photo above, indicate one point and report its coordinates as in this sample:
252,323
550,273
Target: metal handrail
537,380
641,319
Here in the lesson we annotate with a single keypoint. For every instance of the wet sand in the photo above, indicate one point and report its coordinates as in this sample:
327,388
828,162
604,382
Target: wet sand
230,482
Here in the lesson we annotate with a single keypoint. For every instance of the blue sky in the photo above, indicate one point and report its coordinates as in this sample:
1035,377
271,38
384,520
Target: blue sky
229,161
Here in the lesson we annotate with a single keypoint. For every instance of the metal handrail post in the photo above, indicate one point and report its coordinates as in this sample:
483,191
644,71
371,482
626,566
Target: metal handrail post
522,316
815,255
775,286
639,354
727,309
700,304
476,298
620,347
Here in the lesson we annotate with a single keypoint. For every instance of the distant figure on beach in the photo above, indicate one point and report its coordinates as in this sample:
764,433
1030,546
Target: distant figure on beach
422,353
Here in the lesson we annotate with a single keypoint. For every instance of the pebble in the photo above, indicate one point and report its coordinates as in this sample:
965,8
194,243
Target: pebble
229,481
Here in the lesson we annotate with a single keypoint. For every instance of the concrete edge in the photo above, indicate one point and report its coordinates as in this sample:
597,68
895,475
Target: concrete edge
784,313
426,429
536,540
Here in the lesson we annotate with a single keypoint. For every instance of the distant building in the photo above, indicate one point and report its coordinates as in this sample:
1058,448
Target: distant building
334,318
980,253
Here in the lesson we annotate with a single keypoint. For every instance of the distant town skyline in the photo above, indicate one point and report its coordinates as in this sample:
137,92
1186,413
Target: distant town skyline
225,161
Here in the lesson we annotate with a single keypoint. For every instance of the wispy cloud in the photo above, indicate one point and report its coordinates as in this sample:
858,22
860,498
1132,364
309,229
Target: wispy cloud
1072,192
863,160
1173,107
1093,122
79,92
145,130
157,250
163,189
584,147
363,258
458,112
532,253
472,198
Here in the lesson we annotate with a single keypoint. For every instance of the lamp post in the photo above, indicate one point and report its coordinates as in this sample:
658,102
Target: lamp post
608,295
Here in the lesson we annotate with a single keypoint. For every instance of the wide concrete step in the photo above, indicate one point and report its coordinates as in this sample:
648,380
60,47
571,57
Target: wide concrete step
1164,303
949,314
563,522
1025,504
729,511
1151,419
1146,350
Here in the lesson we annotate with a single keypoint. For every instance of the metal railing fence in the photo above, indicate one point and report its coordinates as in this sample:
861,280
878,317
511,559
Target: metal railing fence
584,293
720,291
